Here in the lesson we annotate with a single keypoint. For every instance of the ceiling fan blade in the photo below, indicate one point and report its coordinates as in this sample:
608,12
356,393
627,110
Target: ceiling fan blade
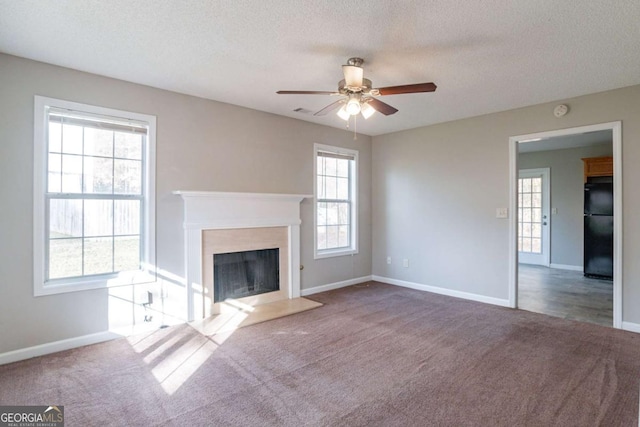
381,107
415,88
305,92
329,108
353,75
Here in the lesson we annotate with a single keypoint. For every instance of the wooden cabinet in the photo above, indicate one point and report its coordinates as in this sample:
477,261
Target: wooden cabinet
597,166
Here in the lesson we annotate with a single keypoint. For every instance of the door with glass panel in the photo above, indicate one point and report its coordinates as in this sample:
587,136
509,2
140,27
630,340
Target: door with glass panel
533,216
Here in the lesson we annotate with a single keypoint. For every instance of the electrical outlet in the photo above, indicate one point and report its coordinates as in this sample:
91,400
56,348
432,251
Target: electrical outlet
405,263
388,260
554,211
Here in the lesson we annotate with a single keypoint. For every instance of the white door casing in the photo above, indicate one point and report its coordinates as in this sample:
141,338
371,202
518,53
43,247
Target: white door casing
616,130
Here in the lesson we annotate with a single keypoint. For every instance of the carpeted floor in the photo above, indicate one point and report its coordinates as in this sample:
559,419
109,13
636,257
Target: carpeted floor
372,355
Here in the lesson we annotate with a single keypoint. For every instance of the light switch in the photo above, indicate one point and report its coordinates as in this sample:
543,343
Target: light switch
405,263
502,213
554,211
388,260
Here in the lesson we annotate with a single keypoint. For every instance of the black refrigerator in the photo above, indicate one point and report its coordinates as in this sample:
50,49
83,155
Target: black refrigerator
598,230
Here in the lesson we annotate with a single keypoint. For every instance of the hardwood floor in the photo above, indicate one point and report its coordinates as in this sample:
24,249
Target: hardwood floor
566,294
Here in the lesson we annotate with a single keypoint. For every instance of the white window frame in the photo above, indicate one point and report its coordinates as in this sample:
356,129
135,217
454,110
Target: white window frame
353,248
148,255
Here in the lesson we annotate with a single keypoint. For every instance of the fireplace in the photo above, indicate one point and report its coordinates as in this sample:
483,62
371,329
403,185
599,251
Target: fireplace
246,273
224,223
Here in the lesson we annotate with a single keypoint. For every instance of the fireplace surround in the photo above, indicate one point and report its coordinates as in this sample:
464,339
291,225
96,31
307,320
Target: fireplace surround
221,222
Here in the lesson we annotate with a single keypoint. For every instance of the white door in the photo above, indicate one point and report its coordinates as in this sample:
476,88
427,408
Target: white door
534,221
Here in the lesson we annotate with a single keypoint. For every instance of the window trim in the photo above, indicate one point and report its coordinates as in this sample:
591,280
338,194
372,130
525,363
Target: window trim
353,248
57,286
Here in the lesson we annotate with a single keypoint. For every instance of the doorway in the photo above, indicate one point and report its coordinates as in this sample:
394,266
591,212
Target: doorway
557,270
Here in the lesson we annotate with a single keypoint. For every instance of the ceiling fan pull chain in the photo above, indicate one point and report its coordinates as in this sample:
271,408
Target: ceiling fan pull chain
355,127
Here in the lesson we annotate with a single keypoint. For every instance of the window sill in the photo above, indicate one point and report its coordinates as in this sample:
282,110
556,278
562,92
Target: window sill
62,286
334,253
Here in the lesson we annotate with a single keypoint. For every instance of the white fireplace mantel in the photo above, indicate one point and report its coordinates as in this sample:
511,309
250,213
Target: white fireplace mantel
211,210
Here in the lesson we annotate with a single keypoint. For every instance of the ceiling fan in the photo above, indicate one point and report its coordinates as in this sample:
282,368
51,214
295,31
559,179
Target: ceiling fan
357,94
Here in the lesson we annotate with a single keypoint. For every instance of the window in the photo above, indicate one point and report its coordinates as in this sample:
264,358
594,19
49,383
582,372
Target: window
335,201
93,197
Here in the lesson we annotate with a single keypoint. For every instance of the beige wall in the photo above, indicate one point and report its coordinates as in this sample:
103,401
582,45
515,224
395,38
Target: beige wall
201,145
436,190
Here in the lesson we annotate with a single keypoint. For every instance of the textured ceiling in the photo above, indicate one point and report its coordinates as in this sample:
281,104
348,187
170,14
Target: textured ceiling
485,56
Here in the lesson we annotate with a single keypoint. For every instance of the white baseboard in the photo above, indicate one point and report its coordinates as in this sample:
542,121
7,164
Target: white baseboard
566,267
54,347
443,291
336,285
631,327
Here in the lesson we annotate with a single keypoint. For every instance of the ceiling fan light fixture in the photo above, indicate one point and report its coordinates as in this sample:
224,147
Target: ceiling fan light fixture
367,110
343,114
353,106
353,75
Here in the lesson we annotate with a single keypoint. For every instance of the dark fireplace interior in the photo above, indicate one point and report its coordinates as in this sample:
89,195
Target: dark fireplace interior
242,274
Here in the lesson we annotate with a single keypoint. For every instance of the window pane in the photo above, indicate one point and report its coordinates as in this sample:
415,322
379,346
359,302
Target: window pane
126,253
98,142
332,214
343,168
71,174
519,244
98,217
55,137
536,230
72,139
65,218
526,200
322,214
332,167
332,236
320,169
343,213
65,258
526,244
536,185
98,175
536,246
126,217
331,192
520,185
526,185
526,215
322,237
321,186
343,236
526,230
536,214
128,145
128,177
98,255
536,200
343,188
54,180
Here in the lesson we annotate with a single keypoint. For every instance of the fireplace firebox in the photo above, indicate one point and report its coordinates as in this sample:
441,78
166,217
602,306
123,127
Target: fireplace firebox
246,273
